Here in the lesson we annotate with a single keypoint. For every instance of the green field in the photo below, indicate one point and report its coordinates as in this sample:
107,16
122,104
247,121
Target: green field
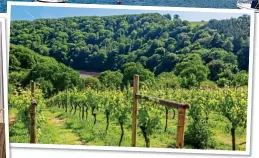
193,24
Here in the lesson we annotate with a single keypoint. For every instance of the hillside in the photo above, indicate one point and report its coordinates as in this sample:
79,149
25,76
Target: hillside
159,43
106,43
26,65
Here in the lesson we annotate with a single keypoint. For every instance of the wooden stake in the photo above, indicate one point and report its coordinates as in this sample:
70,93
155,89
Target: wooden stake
135,110
84,85
33,127
66,100
180,128
2,140
32,89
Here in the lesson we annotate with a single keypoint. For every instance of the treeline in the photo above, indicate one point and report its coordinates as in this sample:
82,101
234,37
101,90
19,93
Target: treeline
26,65
157,41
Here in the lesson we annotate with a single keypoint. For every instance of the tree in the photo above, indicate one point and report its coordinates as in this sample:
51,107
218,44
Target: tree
131,69
243,58
14,63
191,71
57,76
240,79
216,67
153,61
111,79
176,16
93,83
228,46
168,16
167,64
168,80
17,77
46,87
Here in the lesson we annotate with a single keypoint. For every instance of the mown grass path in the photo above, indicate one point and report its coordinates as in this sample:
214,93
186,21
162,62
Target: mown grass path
55,131
12,116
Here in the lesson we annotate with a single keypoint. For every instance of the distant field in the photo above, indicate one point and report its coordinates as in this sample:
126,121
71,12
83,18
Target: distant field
85,74
193,24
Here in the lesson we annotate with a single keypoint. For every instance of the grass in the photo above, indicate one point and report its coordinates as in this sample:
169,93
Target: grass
18,130
221,131
96,135
12,114
65,128
54,131
199,23
19,133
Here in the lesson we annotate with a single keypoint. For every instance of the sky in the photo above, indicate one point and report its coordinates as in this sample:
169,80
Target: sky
42,12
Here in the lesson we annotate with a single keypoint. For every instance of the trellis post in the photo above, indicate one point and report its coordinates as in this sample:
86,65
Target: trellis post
180,128
66,100
135,109
168,103
33,127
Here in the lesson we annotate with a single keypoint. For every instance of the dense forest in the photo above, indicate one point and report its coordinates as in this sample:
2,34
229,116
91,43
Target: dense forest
204,64
160,43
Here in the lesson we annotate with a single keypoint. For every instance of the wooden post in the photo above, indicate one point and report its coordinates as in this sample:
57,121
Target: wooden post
135,110
84,85
33,128
32,89
2,140
66,100
180,128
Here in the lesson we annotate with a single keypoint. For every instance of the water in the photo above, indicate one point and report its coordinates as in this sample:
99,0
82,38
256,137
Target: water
230,4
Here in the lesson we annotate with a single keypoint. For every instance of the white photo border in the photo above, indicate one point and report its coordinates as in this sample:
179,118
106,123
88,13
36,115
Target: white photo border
4,17
251,13
4,79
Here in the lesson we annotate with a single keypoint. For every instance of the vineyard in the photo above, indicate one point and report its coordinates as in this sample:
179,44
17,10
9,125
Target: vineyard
108,111
191,91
